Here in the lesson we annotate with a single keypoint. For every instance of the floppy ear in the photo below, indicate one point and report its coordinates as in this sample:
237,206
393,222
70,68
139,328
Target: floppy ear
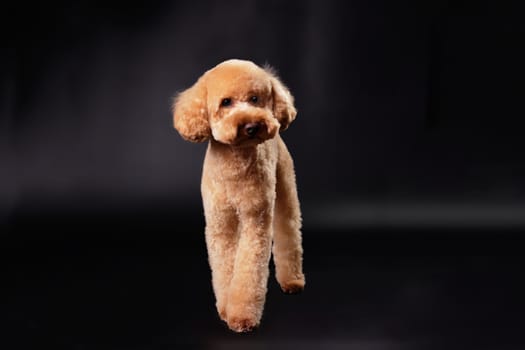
283,102
190,114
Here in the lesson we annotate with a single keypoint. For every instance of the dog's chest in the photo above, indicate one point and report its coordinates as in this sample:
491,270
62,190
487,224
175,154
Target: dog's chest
243,166
254,167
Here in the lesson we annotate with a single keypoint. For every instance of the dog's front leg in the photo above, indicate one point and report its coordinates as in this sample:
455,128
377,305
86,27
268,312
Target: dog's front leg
221,241
250,275
221,238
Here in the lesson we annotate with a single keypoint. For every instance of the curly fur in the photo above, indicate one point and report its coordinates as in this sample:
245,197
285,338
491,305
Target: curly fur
248,185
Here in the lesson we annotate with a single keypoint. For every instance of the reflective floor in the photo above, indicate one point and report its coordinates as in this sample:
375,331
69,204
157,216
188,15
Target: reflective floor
141,281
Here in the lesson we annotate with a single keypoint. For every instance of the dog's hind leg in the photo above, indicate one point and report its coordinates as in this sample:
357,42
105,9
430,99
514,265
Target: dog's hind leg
287,245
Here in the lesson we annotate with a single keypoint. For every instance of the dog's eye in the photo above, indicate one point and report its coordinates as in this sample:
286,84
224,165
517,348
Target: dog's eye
226,102
254,99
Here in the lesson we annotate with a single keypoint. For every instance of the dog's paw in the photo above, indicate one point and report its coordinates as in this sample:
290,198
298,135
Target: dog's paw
242,325
293,286
242,317
221,309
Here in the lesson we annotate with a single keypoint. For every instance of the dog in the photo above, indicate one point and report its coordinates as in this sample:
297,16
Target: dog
248,184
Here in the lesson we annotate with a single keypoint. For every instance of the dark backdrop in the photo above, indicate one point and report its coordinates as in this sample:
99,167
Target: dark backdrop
412,102
408,141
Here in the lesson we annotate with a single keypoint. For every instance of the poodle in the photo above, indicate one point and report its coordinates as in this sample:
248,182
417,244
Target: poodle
248,185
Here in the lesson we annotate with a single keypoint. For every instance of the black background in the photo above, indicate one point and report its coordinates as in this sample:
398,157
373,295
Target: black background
408,149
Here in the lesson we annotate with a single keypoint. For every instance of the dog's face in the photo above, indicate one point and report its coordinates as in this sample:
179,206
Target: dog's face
240,104
236,103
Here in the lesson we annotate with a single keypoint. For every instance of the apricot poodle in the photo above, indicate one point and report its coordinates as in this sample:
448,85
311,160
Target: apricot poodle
248,184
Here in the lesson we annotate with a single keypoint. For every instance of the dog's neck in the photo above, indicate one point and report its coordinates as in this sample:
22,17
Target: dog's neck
239,152
237,161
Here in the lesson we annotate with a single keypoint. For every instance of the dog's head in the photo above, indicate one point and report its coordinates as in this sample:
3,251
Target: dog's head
237,103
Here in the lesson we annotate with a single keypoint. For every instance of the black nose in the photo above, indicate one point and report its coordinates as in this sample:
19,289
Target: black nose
251,129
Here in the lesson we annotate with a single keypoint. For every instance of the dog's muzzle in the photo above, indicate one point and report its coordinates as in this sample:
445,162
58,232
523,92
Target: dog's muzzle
245,129
252,129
